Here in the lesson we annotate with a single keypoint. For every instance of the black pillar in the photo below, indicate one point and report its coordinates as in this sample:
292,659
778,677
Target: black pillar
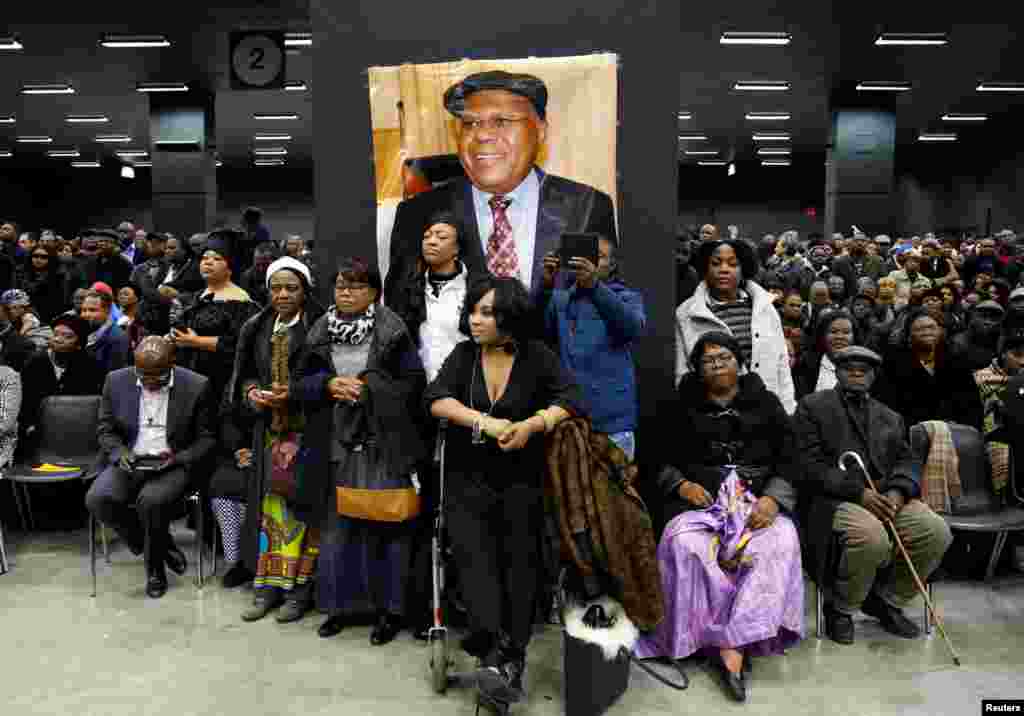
859,171
349,37
184,170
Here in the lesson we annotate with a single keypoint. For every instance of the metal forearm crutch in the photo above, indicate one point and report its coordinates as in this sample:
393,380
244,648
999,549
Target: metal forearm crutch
903,550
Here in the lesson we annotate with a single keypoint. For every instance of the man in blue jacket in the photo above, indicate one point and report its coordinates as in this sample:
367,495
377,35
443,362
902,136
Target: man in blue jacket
593,324
108,344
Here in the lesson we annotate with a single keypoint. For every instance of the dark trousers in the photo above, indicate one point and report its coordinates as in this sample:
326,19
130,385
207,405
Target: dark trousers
495,540
135,508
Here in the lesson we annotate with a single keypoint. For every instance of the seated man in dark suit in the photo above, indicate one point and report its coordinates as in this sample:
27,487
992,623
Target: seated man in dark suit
513,212
63,368
108,344
872,575
155,430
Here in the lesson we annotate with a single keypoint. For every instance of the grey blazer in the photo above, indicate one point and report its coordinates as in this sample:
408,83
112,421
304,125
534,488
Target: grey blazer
190,417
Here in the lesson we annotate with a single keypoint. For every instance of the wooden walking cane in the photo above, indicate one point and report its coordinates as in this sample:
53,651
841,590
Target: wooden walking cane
899,543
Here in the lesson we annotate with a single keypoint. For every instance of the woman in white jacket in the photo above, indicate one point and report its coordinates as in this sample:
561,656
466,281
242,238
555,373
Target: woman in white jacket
727,301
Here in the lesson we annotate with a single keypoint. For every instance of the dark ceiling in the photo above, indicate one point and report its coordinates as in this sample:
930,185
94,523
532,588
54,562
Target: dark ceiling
831,50
105,79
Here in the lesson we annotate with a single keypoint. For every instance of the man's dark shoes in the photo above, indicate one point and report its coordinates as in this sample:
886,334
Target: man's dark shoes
156,583
838,626
331,627
175,559
892,619
236,576
386,630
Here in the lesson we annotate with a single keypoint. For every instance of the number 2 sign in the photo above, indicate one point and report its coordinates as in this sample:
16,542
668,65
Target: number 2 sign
257,59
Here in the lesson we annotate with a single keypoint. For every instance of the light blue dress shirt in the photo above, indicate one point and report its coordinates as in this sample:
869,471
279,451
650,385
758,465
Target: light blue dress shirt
522,215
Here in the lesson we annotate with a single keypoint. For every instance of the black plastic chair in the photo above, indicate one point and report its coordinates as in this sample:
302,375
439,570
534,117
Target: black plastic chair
65,435
979,508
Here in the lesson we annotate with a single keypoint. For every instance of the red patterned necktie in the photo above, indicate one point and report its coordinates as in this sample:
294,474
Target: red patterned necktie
502,260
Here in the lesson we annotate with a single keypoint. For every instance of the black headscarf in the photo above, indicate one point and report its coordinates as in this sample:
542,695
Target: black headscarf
79,325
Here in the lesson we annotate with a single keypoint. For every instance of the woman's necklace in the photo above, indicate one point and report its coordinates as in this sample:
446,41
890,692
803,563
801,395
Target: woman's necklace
478,437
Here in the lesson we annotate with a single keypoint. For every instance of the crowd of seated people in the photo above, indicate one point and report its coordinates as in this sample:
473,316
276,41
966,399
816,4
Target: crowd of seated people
219,370
769,394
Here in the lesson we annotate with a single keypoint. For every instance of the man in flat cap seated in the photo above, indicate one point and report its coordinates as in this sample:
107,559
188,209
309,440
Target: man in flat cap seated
865,570
512,212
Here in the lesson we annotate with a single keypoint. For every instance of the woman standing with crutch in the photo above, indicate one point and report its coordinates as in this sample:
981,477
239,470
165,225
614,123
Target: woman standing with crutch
501,393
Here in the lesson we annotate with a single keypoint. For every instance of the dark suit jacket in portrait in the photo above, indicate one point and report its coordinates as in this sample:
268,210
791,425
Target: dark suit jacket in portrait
190,418
565,206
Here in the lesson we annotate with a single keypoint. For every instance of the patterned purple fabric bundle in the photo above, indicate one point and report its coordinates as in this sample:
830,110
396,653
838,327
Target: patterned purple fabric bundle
759,608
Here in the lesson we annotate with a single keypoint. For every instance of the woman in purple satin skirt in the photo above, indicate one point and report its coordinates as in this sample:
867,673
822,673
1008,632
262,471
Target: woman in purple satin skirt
729,553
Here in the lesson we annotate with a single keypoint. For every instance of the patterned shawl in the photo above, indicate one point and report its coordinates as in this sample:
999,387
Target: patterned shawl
352,331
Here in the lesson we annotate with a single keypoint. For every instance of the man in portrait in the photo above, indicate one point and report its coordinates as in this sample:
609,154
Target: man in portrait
513,212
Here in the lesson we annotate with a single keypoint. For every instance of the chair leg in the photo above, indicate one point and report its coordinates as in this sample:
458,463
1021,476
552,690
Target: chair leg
199,542
103,539
997,550
819,609
28,506
3,551
216,531
21,508
92,552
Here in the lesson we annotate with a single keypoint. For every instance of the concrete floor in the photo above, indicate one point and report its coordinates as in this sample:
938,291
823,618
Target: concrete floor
190,653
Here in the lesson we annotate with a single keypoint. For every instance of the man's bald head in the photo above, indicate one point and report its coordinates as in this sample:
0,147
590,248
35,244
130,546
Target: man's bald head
154,360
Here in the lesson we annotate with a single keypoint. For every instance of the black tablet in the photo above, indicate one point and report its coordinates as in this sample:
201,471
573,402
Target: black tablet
581,245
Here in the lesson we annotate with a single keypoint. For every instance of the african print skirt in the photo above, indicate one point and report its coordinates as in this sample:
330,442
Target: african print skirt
288,549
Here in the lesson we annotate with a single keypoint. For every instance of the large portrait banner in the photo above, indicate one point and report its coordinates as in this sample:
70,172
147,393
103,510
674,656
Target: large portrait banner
538,134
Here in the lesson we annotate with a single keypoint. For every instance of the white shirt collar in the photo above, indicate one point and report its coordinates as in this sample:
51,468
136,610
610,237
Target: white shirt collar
530,183
278,326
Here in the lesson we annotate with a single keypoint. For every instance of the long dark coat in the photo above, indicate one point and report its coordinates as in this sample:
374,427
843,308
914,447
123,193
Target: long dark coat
757,436
825,429
949,394
252,366
395,380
